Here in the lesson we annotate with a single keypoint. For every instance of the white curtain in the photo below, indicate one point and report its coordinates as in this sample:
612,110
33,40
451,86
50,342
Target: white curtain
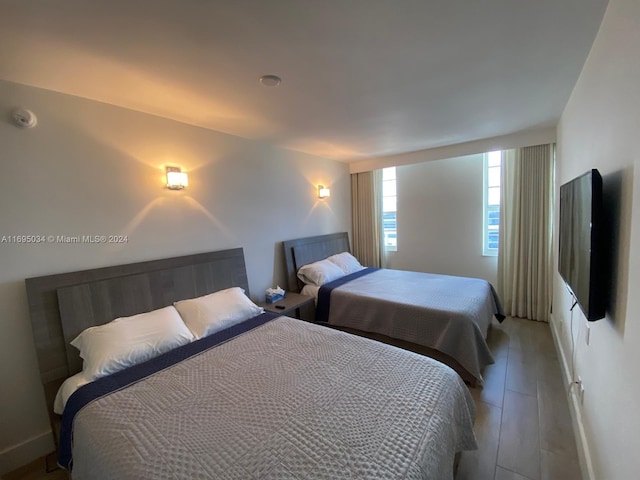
366,217
524,258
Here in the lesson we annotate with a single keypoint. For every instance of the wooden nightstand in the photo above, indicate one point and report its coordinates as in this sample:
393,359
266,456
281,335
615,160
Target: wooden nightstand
292,302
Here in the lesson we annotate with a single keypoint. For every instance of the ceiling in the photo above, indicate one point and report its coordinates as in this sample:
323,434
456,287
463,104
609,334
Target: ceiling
360,78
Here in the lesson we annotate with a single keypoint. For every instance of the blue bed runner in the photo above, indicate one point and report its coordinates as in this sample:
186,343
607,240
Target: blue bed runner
105,385
324,294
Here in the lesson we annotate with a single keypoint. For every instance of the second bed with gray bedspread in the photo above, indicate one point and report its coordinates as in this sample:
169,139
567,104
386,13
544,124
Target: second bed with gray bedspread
446,313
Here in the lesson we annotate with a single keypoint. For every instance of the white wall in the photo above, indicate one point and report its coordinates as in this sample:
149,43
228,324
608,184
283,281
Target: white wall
440,219
599,128
94,169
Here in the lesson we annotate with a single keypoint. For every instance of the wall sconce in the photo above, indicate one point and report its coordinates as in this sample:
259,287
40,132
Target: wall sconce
176,179
323,192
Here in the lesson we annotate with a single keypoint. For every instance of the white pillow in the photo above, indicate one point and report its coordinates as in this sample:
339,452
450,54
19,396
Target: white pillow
319,273
347,262
127,341
217,311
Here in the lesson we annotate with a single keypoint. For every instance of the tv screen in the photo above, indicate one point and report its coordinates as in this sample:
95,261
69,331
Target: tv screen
581,255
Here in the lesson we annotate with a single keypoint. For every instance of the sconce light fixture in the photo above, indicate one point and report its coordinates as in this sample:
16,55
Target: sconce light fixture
323,192
176,179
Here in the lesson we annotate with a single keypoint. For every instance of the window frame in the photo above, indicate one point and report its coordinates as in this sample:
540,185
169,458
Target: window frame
389,248
487,210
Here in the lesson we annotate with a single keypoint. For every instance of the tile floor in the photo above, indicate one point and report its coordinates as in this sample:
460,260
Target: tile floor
523,424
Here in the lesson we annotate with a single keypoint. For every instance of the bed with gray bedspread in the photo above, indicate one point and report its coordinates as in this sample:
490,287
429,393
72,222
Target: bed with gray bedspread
446,313
287,399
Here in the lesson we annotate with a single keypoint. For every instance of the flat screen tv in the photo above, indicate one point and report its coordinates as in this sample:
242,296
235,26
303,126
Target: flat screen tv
581,259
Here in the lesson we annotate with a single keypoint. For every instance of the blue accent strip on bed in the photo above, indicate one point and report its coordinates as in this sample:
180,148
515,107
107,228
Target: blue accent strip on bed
324,294
105,385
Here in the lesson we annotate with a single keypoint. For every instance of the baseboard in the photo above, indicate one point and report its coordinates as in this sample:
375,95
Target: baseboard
26,452
582,444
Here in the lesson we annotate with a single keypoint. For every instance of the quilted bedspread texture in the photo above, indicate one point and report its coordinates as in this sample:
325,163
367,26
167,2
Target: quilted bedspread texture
446,313
286,400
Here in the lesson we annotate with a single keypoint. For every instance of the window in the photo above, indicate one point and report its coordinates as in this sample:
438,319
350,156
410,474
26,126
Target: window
491,224
389,208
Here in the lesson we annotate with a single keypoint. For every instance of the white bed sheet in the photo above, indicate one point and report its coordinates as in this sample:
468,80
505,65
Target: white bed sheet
67,389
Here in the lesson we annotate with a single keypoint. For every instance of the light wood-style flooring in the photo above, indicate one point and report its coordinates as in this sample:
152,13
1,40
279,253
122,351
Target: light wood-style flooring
523,425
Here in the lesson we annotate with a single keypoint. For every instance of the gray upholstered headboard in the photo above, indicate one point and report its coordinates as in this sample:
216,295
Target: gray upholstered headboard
302,251
63,305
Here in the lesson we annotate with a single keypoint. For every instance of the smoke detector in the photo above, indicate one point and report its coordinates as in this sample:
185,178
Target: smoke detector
24,118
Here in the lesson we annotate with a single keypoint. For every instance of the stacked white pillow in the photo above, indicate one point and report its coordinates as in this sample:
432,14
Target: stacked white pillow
346,262
319,273
217,311
330,269
127,341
